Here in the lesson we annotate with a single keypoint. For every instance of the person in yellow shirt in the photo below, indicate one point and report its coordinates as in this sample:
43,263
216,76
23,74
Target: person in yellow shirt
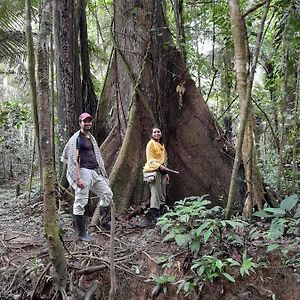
155,172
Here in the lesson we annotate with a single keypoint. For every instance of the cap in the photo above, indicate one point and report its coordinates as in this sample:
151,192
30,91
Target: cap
84,115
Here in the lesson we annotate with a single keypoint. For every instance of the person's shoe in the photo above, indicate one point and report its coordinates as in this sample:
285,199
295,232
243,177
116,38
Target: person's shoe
80,226
86,237
153,215
105,218
106,227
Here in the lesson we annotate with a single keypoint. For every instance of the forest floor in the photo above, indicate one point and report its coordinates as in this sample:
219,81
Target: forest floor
25,272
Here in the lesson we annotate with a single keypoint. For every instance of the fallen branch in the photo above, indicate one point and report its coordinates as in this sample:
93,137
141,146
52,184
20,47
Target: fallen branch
149,257
91,269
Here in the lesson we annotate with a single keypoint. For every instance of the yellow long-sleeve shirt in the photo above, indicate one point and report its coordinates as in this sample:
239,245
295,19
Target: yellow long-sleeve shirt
156,155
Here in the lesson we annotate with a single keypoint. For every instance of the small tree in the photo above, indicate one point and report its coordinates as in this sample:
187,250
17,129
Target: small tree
56,251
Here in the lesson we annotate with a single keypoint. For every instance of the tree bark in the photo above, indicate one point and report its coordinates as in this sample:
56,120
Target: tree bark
68,73
288,104
69,106
147,68
56,251
32,80
89,99
296,142
245,149
180,32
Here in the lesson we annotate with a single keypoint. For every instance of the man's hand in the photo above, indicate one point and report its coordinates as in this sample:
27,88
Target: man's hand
80,183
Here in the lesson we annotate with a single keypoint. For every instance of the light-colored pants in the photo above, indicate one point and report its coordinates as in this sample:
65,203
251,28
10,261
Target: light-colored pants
97,184
158,189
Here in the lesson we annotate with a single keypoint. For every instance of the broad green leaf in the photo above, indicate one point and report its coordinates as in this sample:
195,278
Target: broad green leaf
219,264
200,271
229,277
275,210
262,214
195,245
233,262
169,236
202,227
207,234
272,247
234,224
288,203
182,239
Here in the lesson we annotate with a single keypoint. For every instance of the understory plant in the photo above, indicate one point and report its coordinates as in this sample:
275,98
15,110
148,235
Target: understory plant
282,234
284,222
209,240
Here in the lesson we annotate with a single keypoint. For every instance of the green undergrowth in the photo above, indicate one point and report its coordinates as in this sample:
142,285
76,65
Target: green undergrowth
226,249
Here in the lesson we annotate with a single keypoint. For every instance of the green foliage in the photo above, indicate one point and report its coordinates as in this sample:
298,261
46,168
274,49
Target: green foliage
208,268
14,116
193,225
285,208
164,279
284,220
247,265
14,113
272,247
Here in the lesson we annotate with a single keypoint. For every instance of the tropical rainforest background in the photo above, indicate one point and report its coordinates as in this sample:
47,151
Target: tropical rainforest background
221,78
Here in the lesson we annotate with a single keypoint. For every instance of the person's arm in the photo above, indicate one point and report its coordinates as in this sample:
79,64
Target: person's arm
79,181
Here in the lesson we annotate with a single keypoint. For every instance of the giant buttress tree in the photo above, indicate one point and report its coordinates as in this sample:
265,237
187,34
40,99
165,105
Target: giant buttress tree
141,83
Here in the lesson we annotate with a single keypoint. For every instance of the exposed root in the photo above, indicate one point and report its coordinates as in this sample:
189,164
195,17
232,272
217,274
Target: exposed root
39,281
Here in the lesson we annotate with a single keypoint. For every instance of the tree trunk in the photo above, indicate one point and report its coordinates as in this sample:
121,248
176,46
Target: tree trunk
68,74
180,32
147,68
296,142
89,99
56,251
245,148
52,97
69,106
32,79
288,105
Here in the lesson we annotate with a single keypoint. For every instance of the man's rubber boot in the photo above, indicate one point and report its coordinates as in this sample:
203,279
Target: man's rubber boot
80,226
105,218
154,214
163,209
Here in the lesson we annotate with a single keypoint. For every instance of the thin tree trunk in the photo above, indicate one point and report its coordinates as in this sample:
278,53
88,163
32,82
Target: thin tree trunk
31,170
32,80
288,104
296,143
52,97
244,83
56,250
